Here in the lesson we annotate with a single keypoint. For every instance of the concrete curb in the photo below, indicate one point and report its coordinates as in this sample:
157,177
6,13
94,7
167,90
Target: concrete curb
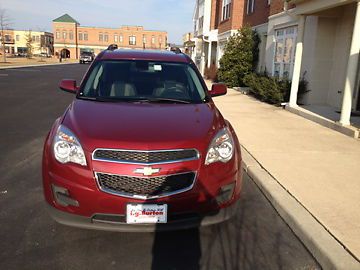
330,253
39,65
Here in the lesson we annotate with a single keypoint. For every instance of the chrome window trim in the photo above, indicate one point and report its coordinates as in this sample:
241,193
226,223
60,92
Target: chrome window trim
140,197
146,151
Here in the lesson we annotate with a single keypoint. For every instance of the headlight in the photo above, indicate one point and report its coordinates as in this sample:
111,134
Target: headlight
67,147
221,147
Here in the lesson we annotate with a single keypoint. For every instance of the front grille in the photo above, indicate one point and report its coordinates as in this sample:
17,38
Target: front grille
145,157
146,188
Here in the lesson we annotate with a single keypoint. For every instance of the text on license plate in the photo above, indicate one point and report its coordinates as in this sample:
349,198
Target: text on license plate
146,213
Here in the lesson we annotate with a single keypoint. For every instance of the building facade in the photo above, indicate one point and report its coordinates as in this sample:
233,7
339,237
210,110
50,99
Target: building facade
17,42
327,49
70,38
214,22
312,39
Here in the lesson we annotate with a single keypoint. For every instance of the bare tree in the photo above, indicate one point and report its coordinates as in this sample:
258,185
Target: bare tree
29,44
4,24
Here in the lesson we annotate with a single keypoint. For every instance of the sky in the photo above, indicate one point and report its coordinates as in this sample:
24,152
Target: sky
173,16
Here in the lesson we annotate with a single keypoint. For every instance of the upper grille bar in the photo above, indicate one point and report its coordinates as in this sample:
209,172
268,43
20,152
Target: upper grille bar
145,157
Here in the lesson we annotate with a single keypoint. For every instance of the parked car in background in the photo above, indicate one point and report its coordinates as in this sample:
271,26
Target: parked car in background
142,147
45,55
86,57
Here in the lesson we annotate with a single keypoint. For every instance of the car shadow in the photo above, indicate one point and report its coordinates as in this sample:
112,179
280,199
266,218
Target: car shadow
180,249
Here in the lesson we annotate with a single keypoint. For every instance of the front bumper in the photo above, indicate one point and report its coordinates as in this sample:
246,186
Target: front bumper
108,222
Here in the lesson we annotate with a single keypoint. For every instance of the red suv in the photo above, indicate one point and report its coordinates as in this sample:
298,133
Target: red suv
142,147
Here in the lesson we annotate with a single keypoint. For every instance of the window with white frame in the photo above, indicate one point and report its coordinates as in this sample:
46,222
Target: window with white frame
226,9
250,6
121,38
132,40
116,38
284,57
144,39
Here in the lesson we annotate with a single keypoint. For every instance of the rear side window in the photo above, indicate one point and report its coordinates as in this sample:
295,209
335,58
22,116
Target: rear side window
144,79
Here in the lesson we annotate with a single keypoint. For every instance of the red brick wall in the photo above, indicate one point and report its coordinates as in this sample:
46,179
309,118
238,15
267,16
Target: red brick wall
276,6
260,14
214,20
236,19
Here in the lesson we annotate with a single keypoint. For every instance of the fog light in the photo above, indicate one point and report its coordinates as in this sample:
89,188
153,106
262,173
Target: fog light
62,196
225,193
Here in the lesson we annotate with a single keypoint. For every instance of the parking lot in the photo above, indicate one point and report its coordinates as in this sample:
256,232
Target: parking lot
257,238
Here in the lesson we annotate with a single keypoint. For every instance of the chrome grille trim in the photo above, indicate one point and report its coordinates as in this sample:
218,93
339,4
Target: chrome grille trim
197,156
144,197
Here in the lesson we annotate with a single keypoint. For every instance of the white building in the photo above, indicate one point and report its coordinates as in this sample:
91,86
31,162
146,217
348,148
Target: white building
205,37
321,38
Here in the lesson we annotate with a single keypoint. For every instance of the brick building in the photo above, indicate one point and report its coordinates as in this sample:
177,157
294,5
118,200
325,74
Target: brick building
214,22
70,38
318,38
16,42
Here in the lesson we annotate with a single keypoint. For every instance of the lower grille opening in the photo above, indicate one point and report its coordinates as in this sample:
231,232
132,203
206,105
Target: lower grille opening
145,187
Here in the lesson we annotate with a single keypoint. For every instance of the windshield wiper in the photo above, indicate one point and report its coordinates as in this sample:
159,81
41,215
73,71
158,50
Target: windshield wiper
139,99
108,99
164,100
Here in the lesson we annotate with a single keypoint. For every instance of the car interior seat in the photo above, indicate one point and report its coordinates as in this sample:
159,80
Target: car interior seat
122,89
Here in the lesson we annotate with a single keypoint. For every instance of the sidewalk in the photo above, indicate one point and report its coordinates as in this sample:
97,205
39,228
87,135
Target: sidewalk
36,61
319,167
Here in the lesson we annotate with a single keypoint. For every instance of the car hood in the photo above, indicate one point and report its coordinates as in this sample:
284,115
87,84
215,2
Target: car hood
142,126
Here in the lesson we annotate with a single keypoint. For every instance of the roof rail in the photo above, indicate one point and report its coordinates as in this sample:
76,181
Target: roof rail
112,47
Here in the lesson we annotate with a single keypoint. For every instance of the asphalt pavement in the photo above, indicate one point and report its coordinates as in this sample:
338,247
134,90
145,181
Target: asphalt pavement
256,238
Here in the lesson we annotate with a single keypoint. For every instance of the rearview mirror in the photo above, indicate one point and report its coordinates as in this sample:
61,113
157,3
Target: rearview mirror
218,89
69,86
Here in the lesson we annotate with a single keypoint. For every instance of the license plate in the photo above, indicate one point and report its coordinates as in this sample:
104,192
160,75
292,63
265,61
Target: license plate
146,213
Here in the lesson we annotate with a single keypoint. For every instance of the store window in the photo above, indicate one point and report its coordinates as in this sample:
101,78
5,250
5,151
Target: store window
284,57
250,6
226,8
132,40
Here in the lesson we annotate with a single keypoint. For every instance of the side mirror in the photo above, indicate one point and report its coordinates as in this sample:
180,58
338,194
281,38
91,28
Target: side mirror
218,89
69,86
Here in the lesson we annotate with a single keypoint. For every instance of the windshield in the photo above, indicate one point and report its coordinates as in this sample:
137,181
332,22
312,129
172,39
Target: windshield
145,81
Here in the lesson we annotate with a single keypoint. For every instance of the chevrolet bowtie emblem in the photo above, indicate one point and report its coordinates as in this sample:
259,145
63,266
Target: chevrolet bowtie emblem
147,171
